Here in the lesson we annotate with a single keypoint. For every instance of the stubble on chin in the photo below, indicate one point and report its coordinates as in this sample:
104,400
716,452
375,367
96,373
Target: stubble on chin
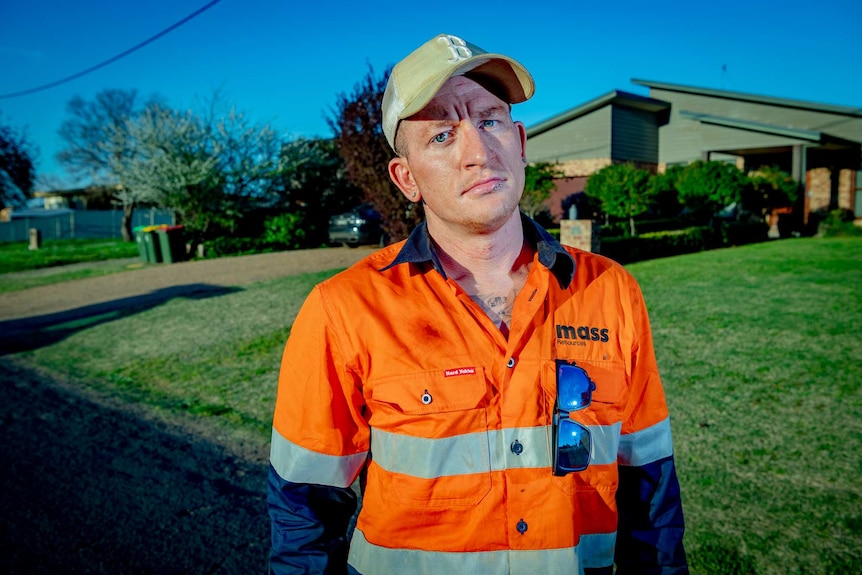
490,222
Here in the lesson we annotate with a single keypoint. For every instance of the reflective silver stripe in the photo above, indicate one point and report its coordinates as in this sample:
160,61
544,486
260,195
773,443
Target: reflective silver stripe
428,458
300,465
595,550
469,453
606,442
646,445
536,443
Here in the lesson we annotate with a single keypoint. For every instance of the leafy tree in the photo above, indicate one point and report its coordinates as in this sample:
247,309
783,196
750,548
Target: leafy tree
663,188
16,167
770,188
539,183
357,122
623,191
706,187
314,185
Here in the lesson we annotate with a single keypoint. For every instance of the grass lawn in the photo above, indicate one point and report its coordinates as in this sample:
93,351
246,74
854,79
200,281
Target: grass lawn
759,348
17,257
21,268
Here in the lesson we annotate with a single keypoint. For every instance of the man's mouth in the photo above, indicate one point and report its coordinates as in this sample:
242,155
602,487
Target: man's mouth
485,186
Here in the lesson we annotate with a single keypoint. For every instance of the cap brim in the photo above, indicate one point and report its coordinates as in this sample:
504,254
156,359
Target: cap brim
512,81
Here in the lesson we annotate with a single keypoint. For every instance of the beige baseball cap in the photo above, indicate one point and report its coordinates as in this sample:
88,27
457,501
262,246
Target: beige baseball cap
417,78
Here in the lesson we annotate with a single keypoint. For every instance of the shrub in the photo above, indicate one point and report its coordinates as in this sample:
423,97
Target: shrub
229,246
657,244
285,230
769,188
686,241
741,233
706,187
837,223
615,227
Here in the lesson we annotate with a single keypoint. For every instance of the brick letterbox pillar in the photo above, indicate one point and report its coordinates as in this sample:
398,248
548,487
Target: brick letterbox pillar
581,234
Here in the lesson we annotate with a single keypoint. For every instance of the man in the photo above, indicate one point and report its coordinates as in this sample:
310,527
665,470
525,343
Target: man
495,392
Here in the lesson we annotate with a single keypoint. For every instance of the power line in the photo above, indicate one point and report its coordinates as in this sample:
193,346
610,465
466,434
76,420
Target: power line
114,58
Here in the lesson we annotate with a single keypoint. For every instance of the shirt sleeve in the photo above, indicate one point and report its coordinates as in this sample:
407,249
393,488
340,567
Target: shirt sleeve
651,525
319,447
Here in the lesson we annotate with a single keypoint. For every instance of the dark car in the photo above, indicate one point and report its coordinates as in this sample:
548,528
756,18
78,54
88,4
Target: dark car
359,226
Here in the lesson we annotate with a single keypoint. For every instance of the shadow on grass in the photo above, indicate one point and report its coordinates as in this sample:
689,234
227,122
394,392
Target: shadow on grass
95,485
31,333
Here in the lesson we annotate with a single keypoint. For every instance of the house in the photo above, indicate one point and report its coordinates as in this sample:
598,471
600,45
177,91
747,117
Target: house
820,145
94,197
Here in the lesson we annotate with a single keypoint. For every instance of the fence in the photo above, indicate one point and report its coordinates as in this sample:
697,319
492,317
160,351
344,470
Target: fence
80,224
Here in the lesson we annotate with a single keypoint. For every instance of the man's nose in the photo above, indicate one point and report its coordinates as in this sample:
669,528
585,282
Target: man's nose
475,149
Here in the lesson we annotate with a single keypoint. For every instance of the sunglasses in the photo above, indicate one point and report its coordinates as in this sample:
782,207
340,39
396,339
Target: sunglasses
572,441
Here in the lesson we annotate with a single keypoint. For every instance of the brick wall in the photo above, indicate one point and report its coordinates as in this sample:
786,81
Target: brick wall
846,188
819,181
575,168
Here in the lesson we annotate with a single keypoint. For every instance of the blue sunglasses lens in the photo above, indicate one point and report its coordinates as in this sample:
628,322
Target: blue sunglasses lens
573,447
574,388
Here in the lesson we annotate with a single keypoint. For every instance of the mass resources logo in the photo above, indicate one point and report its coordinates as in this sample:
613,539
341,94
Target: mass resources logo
579,335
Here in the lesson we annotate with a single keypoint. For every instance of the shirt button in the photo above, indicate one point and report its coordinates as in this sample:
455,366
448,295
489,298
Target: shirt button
511,362
521,527
517,447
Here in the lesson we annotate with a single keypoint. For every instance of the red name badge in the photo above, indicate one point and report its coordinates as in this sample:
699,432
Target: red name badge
460,371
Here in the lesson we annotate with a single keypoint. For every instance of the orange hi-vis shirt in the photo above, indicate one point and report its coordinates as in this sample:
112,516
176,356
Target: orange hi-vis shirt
393,371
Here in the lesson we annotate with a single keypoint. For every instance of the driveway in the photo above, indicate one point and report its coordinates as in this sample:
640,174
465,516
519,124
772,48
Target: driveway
220,272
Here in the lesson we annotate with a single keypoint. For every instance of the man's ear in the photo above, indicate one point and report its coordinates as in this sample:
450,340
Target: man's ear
399,172
522,134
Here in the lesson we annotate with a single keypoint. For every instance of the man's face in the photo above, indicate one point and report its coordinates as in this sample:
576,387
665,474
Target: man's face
463,155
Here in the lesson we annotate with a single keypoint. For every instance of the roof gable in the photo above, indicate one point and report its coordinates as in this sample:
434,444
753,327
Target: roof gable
615,97
744,97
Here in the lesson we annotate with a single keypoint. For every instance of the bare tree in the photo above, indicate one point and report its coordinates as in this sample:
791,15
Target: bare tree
93,139
210,170
90,126
357,122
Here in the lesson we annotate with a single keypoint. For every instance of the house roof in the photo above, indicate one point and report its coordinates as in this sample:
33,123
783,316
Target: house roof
75,192
764,128
741,96
616,97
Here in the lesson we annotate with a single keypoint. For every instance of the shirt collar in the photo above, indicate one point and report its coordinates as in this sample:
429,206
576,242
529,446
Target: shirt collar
418,249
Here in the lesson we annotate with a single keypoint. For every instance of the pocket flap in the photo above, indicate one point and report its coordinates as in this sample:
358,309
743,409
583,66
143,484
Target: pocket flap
433,391
609,379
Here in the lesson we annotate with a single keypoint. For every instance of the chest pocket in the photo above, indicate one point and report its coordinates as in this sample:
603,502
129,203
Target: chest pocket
608,398
430,435
603,417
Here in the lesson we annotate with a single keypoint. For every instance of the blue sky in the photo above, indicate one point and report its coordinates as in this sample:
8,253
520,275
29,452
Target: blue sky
283,62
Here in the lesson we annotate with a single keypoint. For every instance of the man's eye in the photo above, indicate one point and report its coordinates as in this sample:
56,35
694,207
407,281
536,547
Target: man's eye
489,123
440,138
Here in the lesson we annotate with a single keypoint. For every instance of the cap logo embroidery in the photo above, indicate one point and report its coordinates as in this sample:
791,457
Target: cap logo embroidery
458,49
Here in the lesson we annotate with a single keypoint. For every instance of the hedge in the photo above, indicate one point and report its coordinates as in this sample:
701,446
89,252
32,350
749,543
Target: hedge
689,240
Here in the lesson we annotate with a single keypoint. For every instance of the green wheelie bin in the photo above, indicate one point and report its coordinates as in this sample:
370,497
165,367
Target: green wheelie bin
171,243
